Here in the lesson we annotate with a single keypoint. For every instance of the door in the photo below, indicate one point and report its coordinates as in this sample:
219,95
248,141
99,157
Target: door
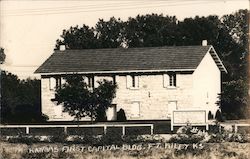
111,112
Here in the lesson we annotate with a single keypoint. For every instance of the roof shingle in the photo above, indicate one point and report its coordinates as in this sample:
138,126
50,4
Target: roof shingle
120,59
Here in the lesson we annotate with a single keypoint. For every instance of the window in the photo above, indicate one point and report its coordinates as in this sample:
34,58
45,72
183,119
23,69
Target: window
132,81
135,109
172,79
169,80
54,83
114,79
91,82
58,82
63,81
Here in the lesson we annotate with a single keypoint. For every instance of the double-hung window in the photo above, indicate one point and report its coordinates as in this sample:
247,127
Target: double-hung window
54,83
91,81
132,81
172,80
169,80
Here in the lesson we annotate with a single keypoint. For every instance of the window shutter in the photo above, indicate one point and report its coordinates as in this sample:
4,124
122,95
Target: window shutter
96,80
129,81
165,80
63,80
85,79
52,83
136,81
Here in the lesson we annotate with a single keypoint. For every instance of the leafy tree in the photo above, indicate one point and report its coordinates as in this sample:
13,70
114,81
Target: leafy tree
2,55
191,31
20,100
227,34
81,101
151,30
110,34
78,38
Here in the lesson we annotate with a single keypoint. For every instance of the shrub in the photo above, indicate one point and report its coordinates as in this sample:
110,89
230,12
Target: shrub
83,139
210,115
24,139
121,115
111,138
28,155
218,116
188,134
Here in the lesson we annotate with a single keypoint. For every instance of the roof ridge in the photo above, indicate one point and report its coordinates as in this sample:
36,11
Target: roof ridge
120,48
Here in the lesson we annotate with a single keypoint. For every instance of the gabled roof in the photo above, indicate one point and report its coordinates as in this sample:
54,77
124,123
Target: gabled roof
127,60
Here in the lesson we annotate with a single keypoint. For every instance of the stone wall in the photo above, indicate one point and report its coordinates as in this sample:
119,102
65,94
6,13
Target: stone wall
153,97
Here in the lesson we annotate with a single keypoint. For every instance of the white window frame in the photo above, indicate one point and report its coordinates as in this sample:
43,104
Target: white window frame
132,80
52,83
91,82
170,80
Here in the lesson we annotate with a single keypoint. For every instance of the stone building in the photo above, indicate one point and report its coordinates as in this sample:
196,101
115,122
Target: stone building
152,81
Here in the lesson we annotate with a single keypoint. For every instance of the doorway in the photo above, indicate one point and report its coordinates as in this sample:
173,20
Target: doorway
112,112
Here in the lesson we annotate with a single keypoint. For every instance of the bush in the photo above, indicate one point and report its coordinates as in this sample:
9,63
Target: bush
37,155
83,139
24,139
121,115
188,134
111,138
218,116
210,115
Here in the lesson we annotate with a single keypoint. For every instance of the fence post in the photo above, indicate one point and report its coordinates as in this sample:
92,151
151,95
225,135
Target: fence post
105,129
65,129
27,130
123,130
152,129
235,128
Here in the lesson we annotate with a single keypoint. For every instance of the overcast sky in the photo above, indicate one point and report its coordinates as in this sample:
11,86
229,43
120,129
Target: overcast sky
29,29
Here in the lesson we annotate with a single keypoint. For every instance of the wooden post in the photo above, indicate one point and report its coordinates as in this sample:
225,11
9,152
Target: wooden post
123,130
105,129
27,130
152,129
65,130
235,128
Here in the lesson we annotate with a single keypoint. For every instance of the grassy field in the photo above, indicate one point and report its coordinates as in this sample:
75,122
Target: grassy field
162,151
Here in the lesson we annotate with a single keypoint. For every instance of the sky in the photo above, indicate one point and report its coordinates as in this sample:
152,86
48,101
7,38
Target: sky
29,29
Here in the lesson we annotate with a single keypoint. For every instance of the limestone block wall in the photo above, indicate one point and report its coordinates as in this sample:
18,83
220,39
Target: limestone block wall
152,96
49,108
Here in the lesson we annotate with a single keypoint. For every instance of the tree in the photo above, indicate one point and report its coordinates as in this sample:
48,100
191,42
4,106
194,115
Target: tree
227,34
78,38
151,30
191,31
20,100
110,34
81,101
2,55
